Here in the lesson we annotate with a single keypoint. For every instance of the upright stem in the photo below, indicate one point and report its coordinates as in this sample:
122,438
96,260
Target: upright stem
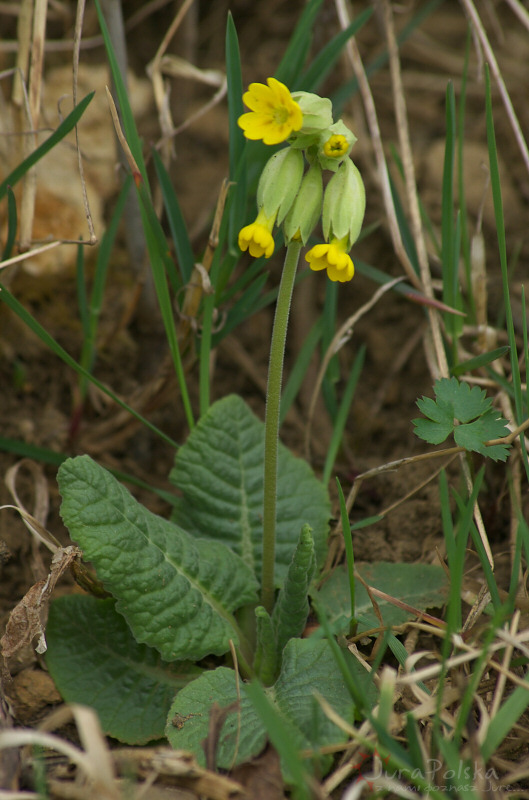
273,400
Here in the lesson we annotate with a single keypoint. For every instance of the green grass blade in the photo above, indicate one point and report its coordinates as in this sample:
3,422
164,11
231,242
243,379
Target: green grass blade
127,117
182,245
456,766
41,454
295,379
157,249
280,737
12,224
322,64
456,564
479,361
45,456
244,308
88,352
446,516
237,140
500,228
449,257
402,655
342,414
505,719
103,256
82,294
349,555
465,238
332,375
404,228
525,351
291,65
24,315
64,128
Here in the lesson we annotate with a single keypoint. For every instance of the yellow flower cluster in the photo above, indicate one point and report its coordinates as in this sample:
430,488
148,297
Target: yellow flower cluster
285,196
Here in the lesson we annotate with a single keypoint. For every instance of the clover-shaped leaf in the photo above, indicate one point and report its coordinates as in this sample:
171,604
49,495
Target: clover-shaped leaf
467,413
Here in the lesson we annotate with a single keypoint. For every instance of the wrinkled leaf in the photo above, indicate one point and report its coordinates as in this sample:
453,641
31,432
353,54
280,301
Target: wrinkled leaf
422,586
176,593
219,470
308,667
94,660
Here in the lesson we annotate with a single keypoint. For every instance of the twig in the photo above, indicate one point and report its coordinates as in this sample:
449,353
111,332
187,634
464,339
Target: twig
409,176
376,139
491,58
76,50
340,338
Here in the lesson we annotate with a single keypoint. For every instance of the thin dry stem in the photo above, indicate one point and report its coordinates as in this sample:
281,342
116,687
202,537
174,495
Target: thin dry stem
376,139
409,176
161,95
76,50
340,338
491,60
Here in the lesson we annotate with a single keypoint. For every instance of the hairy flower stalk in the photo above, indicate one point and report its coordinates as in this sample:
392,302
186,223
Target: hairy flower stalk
273,402
292,198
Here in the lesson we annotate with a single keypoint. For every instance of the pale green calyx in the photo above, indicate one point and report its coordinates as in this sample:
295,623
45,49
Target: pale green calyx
317,112
279,183
334,145
306,209
344,204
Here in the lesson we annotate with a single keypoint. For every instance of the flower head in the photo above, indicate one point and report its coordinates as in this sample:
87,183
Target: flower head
336,146
273,114
257,237
334,258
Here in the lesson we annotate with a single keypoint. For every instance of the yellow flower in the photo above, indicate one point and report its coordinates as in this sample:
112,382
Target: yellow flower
336,146
273,113
333,258
257,237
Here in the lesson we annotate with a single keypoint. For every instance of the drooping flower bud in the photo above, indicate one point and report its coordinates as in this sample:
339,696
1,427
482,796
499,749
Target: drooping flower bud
344,204
279,183
306,209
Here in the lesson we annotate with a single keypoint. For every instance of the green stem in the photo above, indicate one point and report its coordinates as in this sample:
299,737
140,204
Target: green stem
273,399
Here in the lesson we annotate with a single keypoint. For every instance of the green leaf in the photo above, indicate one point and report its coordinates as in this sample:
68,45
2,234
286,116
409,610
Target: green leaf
177,594
220,474
433,431
94,659
459,403
419,585
308,666
490,426
292,606
465,402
